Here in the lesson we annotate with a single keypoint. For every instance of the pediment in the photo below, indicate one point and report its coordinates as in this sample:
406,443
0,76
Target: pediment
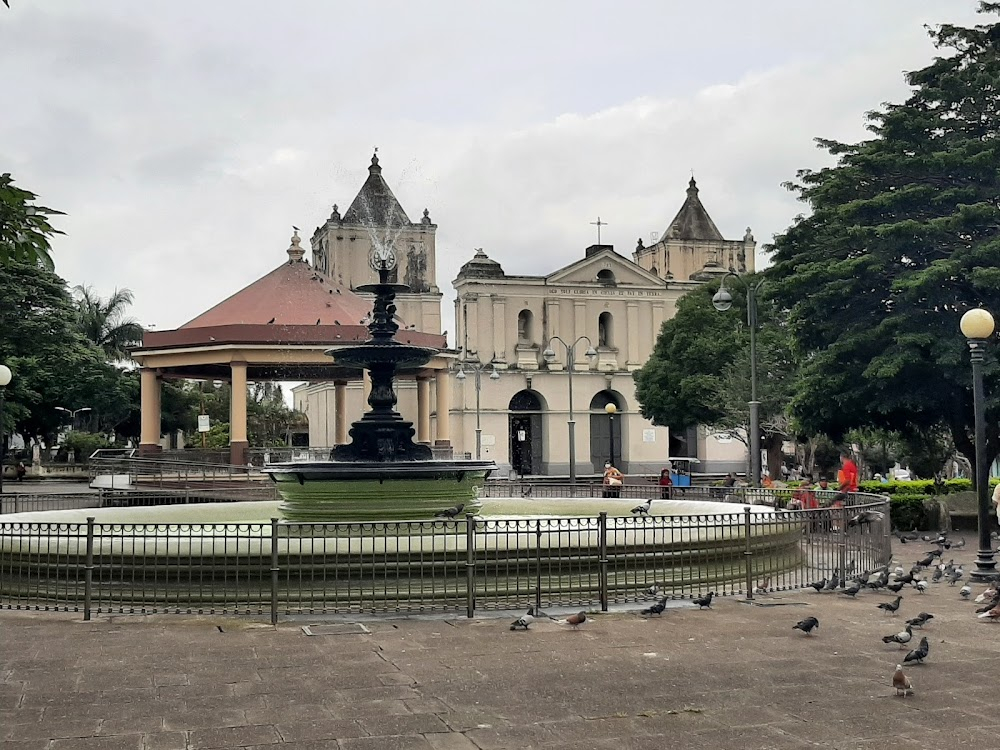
587,270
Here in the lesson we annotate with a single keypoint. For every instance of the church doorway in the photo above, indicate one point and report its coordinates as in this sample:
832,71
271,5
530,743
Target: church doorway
606,431
526,438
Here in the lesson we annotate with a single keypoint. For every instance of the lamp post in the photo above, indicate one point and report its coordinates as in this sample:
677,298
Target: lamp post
611,409
478,370
72,413
977,325
5,376
722,301
549,355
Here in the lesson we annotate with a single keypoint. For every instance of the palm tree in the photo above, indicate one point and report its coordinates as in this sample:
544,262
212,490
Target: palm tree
105,323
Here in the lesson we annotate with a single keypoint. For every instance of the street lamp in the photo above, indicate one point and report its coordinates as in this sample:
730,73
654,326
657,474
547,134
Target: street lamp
722,301
549,355
611,409
478,370
73,412
977,325
5,376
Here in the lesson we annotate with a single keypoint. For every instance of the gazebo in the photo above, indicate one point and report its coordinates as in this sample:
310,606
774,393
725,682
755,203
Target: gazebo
281,327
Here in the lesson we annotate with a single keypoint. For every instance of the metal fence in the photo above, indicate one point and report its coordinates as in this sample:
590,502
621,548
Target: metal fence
35,502
277,568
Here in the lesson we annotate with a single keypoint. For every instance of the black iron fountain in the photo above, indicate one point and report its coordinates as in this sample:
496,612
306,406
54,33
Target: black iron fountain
381,474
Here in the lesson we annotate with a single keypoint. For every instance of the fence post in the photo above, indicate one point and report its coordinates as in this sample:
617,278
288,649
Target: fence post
88,570
470,565
748,552
274,571
538,564
15,503
843,546
602,551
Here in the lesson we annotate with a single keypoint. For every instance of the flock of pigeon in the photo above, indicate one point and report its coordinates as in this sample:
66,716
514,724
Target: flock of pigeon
919,577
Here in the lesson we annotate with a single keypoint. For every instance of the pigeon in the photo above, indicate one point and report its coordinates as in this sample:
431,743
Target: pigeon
853,590
818,585
902,638
921,586
938,575
965,592
918,654
834,582
270,321
865,518
880,581
450,512
642,509
763,586
524,620
705,601
920,620
955,576
891,607
806,625
991,614
988,594
925,561
959,544
575,621
653,590
901,682
904,579
526,492
895,587
656,609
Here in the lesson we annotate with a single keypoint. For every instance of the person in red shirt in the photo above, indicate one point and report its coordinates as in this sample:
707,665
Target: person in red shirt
847,478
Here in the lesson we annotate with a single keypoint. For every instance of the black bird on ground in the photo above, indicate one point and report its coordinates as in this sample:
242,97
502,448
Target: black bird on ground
925,561
524,620
642,509
938,575
891,607
818,585
832,584
806,625
656,609
902,638
895,587
853,590
918,654
450,512
920,620
705,601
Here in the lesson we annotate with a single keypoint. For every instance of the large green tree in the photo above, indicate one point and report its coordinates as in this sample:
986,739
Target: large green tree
901,240
106,321
699,371
24,226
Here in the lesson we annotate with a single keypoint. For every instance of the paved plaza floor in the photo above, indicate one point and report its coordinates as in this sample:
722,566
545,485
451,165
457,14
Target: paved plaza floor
735,676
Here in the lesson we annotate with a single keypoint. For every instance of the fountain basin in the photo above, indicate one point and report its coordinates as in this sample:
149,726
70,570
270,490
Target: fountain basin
345,491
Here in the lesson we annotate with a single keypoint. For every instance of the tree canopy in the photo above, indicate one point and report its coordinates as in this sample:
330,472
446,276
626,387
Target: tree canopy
24,226
902,239
107,323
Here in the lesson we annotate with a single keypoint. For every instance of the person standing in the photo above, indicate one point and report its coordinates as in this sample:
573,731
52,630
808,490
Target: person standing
847,477
613,480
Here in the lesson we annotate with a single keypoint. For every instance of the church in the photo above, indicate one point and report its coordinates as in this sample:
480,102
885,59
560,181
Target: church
536,359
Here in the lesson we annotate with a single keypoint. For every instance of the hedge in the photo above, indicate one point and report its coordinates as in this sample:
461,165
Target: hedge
921,487
908,511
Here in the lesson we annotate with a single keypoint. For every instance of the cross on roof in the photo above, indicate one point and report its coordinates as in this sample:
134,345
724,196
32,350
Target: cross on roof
599,224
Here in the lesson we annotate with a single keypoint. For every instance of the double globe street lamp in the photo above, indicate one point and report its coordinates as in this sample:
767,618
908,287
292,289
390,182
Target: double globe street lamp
549,355
722,301
978,326
477,369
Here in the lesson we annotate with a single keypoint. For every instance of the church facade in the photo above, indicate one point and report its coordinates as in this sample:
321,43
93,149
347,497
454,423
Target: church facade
537,358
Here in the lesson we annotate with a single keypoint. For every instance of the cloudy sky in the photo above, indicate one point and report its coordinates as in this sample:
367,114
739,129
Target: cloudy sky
184,138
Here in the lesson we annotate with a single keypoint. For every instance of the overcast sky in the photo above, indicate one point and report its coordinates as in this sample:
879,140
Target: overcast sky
183,138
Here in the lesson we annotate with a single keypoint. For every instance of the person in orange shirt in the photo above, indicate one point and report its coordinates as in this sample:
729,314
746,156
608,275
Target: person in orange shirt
847,478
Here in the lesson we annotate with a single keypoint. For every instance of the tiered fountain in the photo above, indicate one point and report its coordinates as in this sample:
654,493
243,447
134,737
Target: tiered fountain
381,475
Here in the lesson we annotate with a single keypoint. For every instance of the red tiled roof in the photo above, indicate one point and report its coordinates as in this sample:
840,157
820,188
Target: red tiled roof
292,295
325,335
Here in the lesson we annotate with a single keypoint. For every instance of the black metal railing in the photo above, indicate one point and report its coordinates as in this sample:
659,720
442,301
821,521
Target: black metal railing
276,568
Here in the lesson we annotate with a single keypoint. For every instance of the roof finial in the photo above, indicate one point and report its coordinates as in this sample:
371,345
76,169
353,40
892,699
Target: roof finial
427,217
692,185
295,251
374,166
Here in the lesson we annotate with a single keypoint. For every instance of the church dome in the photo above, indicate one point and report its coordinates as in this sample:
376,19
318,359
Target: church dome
481,267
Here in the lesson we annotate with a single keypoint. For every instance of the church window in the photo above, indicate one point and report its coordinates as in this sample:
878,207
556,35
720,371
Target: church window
605,330
606,276
524,332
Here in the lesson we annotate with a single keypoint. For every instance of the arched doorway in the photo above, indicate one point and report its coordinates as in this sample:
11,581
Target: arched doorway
526,433
605,445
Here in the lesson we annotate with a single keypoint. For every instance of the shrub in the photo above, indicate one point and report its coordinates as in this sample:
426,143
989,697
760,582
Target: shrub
908,511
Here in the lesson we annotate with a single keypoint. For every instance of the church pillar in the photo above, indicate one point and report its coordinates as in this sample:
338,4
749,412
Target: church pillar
657,321
472,325
580,329
442,383
632,333
238,445
423,410
149,411
340,418
499,329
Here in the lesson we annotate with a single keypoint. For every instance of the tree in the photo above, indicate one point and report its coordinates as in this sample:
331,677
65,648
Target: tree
105,321
902,240
24,227
699,371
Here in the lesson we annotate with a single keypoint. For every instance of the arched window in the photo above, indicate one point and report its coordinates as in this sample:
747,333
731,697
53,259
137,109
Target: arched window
605,330
524,332
606,276
653,271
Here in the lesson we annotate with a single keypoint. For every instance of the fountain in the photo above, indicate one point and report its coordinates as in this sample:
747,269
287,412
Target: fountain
381,475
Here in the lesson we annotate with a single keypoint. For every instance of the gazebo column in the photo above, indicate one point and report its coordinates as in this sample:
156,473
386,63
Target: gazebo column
423,410
149,410
340,415
238,445
442,385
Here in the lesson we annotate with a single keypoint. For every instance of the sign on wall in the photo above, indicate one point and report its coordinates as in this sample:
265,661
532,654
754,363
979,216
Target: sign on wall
649,436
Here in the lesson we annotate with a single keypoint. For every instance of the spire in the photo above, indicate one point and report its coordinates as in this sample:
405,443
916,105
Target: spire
295,252
375,168
692,221
375,205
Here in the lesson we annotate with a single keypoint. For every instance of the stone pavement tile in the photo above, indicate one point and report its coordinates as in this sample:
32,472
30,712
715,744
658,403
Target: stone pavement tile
369,710
192,692
502,738
10,716
203,719
450,741
130,725
287,713
462,721
164,679
324,729
25,744
426,706
365,694
226,737
54,730
410,724
119,742
165,741
400,742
